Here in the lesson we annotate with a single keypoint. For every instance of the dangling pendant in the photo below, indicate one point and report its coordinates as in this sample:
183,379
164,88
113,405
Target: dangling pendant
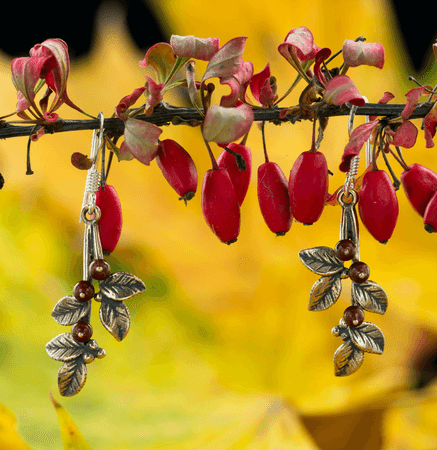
76,348
358,336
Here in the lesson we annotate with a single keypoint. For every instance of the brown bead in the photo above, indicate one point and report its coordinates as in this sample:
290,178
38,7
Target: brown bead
82,331
100,269
83,291
345,250
353,316
359,272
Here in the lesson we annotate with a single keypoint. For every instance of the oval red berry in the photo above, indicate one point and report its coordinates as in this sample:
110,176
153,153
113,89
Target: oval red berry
178,168
240,178
273,198
111,220
378,205
220,205
430,216
308,187
419,184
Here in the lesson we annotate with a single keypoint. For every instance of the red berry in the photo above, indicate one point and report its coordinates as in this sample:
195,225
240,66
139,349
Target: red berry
111,220
273,198
100,269
353,316
359,272
430,216
419,184
345,250
178,168
220,205
82,331
240,178
308,187
83,291
378,205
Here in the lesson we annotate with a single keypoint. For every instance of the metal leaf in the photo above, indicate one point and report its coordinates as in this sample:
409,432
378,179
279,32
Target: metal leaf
72,377
121,286
370,296
347,359
69,310
321,260
115,318
367,337
64,348
324,293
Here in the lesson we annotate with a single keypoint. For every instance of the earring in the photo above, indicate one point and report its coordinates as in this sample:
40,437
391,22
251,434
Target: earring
76,349
358,336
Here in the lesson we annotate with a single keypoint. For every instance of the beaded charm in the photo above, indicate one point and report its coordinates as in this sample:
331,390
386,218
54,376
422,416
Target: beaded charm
76,349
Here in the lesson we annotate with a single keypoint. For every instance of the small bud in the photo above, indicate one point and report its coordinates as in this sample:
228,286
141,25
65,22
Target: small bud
81,161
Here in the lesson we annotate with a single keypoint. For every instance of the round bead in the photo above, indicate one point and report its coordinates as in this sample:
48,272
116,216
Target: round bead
353,316
82,331
100,269
345,250
359,272
83,291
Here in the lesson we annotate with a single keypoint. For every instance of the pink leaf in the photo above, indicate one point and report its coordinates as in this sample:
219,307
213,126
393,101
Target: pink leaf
383,101
301,42
193,47
162,58
363,53
430,124
257,82
153,93
322,55
356,141
126,102
341,89
224,125
406,135
227,61
238,84
141,139
413,96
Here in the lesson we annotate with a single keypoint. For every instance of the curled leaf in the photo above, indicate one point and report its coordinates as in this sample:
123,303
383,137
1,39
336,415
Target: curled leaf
430,125
406,135
162,58
141,140
341,89
224,125
363,53
227,61
193,47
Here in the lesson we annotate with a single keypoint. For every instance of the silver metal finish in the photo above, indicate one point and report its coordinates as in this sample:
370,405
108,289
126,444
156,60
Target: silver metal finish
349,228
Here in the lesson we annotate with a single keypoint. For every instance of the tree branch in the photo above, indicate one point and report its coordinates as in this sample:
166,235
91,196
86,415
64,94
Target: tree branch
167,114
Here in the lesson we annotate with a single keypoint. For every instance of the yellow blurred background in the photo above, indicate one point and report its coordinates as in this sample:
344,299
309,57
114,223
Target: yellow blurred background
222,351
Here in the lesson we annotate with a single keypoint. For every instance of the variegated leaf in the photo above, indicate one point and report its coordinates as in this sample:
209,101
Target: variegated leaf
324,293
347,359
370,296
115,318
367,337
121,286
321,260
72,377
69,310
64,348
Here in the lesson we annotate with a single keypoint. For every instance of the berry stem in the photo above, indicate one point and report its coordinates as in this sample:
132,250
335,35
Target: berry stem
215,166
400,158
396,182
266,156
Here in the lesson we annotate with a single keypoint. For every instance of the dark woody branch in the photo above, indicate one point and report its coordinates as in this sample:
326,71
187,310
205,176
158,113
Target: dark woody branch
167,114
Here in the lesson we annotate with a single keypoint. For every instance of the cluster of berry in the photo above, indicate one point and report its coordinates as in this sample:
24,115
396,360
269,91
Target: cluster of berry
224,187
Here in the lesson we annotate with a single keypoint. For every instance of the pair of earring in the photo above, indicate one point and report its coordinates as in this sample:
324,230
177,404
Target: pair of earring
76,348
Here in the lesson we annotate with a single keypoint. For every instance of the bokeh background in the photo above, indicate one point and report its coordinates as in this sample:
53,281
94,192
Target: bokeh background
222,351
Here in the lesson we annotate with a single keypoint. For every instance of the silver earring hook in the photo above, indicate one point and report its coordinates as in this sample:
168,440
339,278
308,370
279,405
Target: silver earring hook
93,176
